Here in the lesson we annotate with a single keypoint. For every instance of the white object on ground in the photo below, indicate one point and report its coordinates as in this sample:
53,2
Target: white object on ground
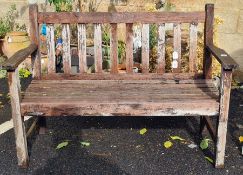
6,126
192,145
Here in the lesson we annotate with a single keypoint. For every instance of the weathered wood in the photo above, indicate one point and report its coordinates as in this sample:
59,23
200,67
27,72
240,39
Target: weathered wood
82,48
66,48
123,17
127,97
193,48
98,48
13,62
177,46
114,49
161,49
19,129
50,44
129,48
226,78
34,37
208,40
145,48
122,76
32,128
223,57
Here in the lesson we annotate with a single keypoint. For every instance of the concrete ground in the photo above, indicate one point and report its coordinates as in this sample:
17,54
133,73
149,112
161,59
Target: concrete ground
117,147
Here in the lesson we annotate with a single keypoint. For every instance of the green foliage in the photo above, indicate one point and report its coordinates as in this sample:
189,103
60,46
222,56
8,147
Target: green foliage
7,21
153,36
121,51
8,24
62,5
106,45
204,144
85,144
24,73
3,73
62,145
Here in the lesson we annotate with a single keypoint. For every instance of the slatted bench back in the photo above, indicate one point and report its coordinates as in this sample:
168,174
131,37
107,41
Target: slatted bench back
100,18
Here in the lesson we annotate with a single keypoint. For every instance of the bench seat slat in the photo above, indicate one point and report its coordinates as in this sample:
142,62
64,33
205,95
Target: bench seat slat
80,97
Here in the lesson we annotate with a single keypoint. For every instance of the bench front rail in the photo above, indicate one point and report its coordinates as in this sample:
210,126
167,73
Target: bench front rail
113,93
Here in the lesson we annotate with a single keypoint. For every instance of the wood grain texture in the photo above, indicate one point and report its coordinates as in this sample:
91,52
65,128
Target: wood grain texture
98,48
208,40
177,46
13,62
145,48
82,48
161,49
50,44
19,129
223,57
66,48
109,97
123,76
114,49
129,48
34,37
122,17
226,79
193,48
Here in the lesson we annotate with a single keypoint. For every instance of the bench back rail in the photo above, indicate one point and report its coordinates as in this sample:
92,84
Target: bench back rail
113,19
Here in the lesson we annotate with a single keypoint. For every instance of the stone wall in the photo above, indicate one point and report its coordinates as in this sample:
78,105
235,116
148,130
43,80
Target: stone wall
231,11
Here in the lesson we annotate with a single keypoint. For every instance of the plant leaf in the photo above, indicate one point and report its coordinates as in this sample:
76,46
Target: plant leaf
209,159
241,139
168,144
143,131
62,145
85,143
176,138
204,144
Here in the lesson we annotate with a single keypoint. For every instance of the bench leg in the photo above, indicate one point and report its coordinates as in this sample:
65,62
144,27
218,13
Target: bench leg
42,125
18,121
226,78
202,125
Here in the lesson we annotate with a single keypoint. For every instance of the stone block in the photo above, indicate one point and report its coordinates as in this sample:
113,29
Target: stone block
230,20
228,4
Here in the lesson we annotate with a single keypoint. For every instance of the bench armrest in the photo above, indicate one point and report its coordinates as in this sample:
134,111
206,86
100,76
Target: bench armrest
223,57
13,62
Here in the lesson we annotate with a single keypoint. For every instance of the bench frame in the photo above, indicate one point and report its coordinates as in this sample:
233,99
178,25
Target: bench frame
227,63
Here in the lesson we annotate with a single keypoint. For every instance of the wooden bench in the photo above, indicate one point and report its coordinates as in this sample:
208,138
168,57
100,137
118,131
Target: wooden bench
112,93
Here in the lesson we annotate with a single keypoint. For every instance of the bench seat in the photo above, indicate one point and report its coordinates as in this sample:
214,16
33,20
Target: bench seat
120,97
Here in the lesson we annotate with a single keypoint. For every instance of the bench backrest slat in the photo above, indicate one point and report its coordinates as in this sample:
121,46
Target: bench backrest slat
193,48
129,48
82,48
176,35
145,48
114,49
121,17
98,48
50,48
177,47
161,49
66,48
